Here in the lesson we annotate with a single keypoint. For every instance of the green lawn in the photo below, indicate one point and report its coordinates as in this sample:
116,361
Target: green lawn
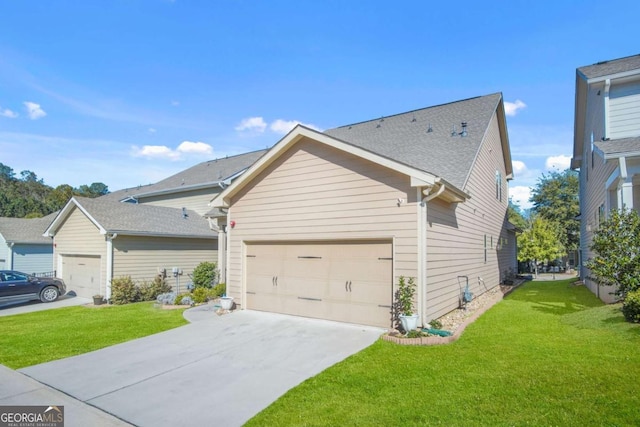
32,338
549,354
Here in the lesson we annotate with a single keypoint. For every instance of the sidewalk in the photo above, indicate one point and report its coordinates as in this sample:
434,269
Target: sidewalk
543,277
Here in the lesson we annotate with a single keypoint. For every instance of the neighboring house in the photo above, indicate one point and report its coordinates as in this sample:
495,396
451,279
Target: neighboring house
152,236
606,146
192,188
23,247
96,240
325,223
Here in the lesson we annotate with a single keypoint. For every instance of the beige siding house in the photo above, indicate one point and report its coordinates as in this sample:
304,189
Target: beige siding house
96,240
606,147
325,223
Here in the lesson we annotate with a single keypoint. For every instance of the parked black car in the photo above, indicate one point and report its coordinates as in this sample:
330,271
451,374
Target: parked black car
16,286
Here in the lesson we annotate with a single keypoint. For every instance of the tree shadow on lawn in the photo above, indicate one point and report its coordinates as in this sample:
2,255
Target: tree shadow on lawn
557,298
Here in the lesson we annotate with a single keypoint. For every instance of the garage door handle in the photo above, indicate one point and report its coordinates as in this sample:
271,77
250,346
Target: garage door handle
310,299
349,285
250,293
384,306
346,286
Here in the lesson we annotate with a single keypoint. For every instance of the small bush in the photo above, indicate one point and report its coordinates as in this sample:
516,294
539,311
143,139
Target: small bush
218,290
167,298
205,274
631,306
149,291
435,324
200,295
187,300
416,334
124,291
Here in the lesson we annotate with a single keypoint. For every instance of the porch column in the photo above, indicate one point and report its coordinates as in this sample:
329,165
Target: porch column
626,195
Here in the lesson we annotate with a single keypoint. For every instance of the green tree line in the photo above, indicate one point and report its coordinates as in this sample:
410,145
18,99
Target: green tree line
27,196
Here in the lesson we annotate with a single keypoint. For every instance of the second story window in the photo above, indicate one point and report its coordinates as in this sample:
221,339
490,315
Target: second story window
498,185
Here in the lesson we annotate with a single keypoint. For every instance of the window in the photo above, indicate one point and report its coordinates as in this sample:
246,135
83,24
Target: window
498,185
600,214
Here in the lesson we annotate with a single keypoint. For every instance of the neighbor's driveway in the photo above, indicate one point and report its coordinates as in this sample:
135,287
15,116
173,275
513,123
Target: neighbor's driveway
9,309
218,370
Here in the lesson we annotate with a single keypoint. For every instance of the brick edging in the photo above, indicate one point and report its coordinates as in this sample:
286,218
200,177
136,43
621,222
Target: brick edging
437,340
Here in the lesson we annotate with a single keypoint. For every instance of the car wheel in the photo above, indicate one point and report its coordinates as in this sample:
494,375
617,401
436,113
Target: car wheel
49,294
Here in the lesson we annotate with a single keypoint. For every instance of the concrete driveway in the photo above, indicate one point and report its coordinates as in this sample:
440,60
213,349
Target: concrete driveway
218,370
8,309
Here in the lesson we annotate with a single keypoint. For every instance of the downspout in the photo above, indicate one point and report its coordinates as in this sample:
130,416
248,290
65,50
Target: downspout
109,265
11,255
222,263
422,248
607,86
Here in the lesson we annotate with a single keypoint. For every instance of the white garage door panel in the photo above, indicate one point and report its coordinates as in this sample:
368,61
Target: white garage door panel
81,274
343,281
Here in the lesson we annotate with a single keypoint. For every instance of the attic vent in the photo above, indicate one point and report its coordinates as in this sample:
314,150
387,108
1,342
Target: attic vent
464,129
429,129
184,213
413,119
182,183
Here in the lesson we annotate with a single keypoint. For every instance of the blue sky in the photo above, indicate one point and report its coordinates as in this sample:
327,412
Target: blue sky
129,92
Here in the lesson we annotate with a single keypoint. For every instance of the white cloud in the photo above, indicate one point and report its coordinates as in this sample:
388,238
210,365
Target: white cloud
8,113
511,108
34,111
518,167
559,163
156,152
284,126
252,124
164,152
152,130
175,103
189,147
520,195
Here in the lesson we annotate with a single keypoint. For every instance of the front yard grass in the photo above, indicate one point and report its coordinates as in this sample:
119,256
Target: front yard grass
549,354
32,338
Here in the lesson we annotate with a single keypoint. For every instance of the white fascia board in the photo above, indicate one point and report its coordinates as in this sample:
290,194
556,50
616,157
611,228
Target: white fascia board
65,212
294,136
616,76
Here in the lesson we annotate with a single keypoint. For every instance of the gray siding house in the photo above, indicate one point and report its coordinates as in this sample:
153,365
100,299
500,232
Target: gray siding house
23,247
325,223
606,147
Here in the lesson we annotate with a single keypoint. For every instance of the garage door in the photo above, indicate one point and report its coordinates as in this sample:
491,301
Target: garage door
342,281
81,274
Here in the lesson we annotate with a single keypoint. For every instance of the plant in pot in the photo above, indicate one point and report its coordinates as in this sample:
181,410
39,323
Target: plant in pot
405,303
98,299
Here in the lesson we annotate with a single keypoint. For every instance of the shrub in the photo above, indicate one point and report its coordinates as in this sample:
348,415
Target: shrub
435,324
406,293
205,274
218,290
168,298
124,291
631,306
200,295
616,243
149,291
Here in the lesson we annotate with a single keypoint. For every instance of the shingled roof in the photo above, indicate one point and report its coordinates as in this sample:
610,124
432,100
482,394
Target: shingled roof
612,149
112,216
609,68
406,137
206,174
26,231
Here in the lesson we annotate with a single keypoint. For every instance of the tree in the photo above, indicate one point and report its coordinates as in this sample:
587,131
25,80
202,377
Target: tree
616,243
96,189
539,242
515,216
555,198
59,197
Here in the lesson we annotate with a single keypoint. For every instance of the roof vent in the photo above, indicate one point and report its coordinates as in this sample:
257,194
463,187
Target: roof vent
184,213
454,132
429,129
414,119
464,130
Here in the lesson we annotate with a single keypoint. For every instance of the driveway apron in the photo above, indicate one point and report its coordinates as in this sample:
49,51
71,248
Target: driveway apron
219,370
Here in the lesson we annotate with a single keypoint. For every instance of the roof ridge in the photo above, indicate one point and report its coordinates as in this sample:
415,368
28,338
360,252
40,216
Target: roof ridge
416,110
608,61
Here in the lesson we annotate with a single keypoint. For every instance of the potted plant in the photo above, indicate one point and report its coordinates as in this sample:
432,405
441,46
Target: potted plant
405,303
98,299
226,302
